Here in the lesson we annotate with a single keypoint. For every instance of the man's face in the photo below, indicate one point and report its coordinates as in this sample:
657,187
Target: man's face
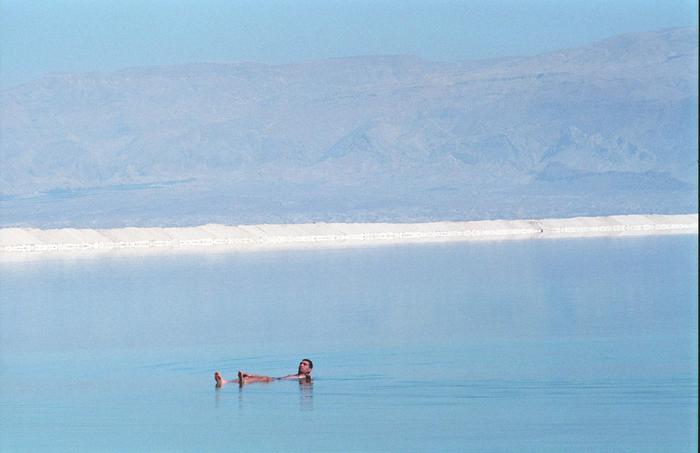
304,367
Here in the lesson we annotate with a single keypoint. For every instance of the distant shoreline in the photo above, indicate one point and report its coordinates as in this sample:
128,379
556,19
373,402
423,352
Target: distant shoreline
19,243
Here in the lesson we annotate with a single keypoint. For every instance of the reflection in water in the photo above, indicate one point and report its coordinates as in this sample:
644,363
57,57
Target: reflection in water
217,397
306,394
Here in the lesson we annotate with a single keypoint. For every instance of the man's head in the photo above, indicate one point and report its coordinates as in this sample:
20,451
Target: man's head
305,366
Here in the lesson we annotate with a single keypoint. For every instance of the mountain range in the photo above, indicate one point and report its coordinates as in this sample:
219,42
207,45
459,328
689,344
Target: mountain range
610,128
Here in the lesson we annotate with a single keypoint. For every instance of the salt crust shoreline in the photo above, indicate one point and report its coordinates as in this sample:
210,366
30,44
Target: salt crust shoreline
37,243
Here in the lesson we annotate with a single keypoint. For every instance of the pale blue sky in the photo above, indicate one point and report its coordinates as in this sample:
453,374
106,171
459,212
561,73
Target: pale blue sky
38,37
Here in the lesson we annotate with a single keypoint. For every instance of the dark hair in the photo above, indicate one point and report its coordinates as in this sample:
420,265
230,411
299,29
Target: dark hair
311,364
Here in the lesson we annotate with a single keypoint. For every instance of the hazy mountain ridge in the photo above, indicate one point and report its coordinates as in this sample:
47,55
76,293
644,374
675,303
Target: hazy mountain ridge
364,128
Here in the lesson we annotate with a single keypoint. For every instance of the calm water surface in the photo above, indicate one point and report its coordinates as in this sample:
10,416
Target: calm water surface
550,346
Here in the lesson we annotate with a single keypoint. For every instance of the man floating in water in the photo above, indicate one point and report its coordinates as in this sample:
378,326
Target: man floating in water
304,372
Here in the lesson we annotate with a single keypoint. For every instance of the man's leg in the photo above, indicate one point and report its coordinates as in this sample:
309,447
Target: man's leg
220,381
245,378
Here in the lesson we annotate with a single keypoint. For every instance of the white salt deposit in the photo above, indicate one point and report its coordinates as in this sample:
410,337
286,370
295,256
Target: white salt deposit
32,242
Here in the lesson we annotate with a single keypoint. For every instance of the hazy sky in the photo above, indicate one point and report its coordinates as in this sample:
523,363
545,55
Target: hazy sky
38,37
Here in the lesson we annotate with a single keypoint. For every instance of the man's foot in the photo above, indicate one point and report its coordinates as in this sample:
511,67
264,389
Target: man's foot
220,381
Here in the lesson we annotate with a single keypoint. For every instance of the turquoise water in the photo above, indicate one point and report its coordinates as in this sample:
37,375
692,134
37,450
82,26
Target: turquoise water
575,345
